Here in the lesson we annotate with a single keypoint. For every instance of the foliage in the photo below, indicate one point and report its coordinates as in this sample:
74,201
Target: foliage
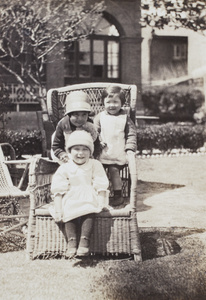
178,13
24,142
5,104
174,104
170,136
163,137
32,30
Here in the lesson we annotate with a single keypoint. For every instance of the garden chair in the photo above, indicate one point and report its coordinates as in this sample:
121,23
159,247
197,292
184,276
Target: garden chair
9,193
116,231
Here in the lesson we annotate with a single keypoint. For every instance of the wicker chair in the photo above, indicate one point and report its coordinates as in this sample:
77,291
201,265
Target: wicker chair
9,193
115,232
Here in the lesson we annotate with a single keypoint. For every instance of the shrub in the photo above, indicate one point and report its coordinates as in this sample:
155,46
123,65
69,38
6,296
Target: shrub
163,137
5,104
177,104
170,136
24,142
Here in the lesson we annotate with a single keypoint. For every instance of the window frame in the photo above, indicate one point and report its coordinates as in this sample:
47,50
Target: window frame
91,77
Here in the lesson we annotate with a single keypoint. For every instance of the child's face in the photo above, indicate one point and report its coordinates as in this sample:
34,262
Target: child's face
80,154
112,104
79,118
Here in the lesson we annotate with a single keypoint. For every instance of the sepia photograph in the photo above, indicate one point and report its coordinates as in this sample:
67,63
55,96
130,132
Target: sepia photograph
103,149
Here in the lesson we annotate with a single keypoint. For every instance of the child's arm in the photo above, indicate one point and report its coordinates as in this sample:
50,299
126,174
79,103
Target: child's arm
102,199
98,129
101,184
130,136
58,207
58,144
59,186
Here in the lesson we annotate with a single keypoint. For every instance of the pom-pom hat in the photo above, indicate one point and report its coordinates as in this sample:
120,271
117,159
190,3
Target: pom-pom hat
80,137
77,101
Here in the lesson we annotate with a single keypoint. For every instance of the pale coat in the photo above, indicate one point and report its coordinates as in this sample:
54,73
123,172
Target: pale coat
79,185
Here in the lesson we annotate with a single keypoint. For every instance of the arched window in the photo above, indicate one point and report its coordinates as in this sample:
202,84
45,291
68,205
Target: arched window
96,58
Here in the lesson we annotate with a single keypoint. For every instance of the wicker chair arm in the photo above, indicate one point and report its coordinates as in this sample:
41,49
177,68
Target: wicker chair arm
134,178
11,150
41,171
40,196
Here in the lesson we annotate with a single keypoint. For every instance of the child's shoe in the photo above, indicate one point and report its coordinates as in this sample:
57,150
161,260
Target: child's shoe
71,248
83,249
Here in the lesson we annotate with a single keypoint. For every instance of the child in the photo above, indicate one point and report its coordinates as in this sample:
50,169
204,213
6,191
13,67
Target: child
117,135
80,190
76,118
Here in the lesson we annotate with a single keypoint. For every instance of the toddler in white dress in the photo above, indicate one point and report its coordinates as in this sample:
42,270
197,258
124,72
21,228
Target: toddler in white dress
80,189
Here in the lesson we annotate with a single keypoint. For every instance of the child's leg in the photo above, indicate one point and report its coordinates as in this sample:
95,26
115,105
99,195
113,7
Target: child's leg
116,184
115,178
87,222
71,233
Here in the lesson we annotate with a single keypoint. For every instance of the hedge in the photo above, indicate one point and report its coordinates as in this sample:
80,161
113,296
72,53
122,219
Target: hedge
163,137
170,136
24,142
172,105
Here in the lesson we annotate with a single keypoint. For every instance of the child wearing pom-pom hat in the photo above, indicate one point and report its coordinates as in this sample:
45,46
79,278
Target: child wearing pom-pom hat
80,189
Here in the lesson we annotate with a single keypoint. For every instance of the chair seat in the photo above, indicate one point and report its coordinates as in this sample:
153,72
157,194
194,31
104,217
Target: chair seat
12,191
122,212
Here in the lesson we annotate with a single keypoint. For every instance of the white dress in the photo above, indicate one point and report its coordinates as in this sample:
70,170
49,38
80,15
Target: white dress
79,185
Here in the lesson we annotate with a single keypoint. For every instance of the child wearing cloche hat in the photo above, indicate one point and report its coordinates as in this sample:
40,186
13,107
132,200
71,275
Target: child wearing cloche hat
80,189
76,118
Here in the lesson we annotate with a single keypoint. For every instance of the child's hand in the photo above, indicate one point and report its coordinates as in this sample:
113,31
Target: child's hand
130,152
64,157
58,217
103,145
107,208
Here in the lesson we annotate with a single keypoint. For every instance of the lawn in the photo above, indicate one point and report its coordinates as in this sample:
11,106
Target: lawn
179,276
173,266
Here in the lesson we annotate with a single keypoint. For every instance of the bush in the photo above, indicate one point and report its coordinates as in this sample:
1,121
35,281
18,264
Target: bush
176,104
170,136
24,142
5,104
163,137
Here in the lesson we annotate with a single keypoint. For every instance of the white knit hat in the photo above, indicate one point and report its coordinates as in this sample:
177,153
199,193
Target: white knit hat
77,101
80,137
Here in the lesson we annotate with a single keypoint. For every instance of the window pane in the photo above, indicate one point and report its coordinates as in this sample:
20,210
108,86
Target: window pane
98,58
113,59
84,58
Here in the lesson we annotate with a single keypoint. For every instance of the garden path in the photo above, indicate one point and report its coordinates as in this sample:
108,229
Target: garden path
172,191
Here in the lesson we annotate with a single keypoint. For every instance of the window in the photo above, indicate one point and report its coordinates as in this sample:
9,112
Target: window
168,57
96,58
179,51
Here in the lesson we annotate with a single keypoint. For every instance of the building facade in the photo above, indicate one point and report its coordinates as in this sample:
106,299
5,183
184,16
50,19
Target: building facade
171,54
111,54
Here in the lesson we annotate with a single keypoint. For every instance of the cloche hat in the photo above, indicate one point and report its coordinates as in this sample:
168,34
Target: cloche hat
80,137
77,101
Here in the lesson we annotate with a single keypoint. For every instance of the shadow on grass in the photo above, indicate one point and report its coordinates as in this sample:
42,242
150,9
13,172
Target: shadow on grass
147,189
154,244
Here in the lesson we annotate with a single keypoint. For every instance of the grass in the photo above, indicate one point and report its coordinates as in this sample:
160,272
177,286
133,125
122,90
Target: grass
181,275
